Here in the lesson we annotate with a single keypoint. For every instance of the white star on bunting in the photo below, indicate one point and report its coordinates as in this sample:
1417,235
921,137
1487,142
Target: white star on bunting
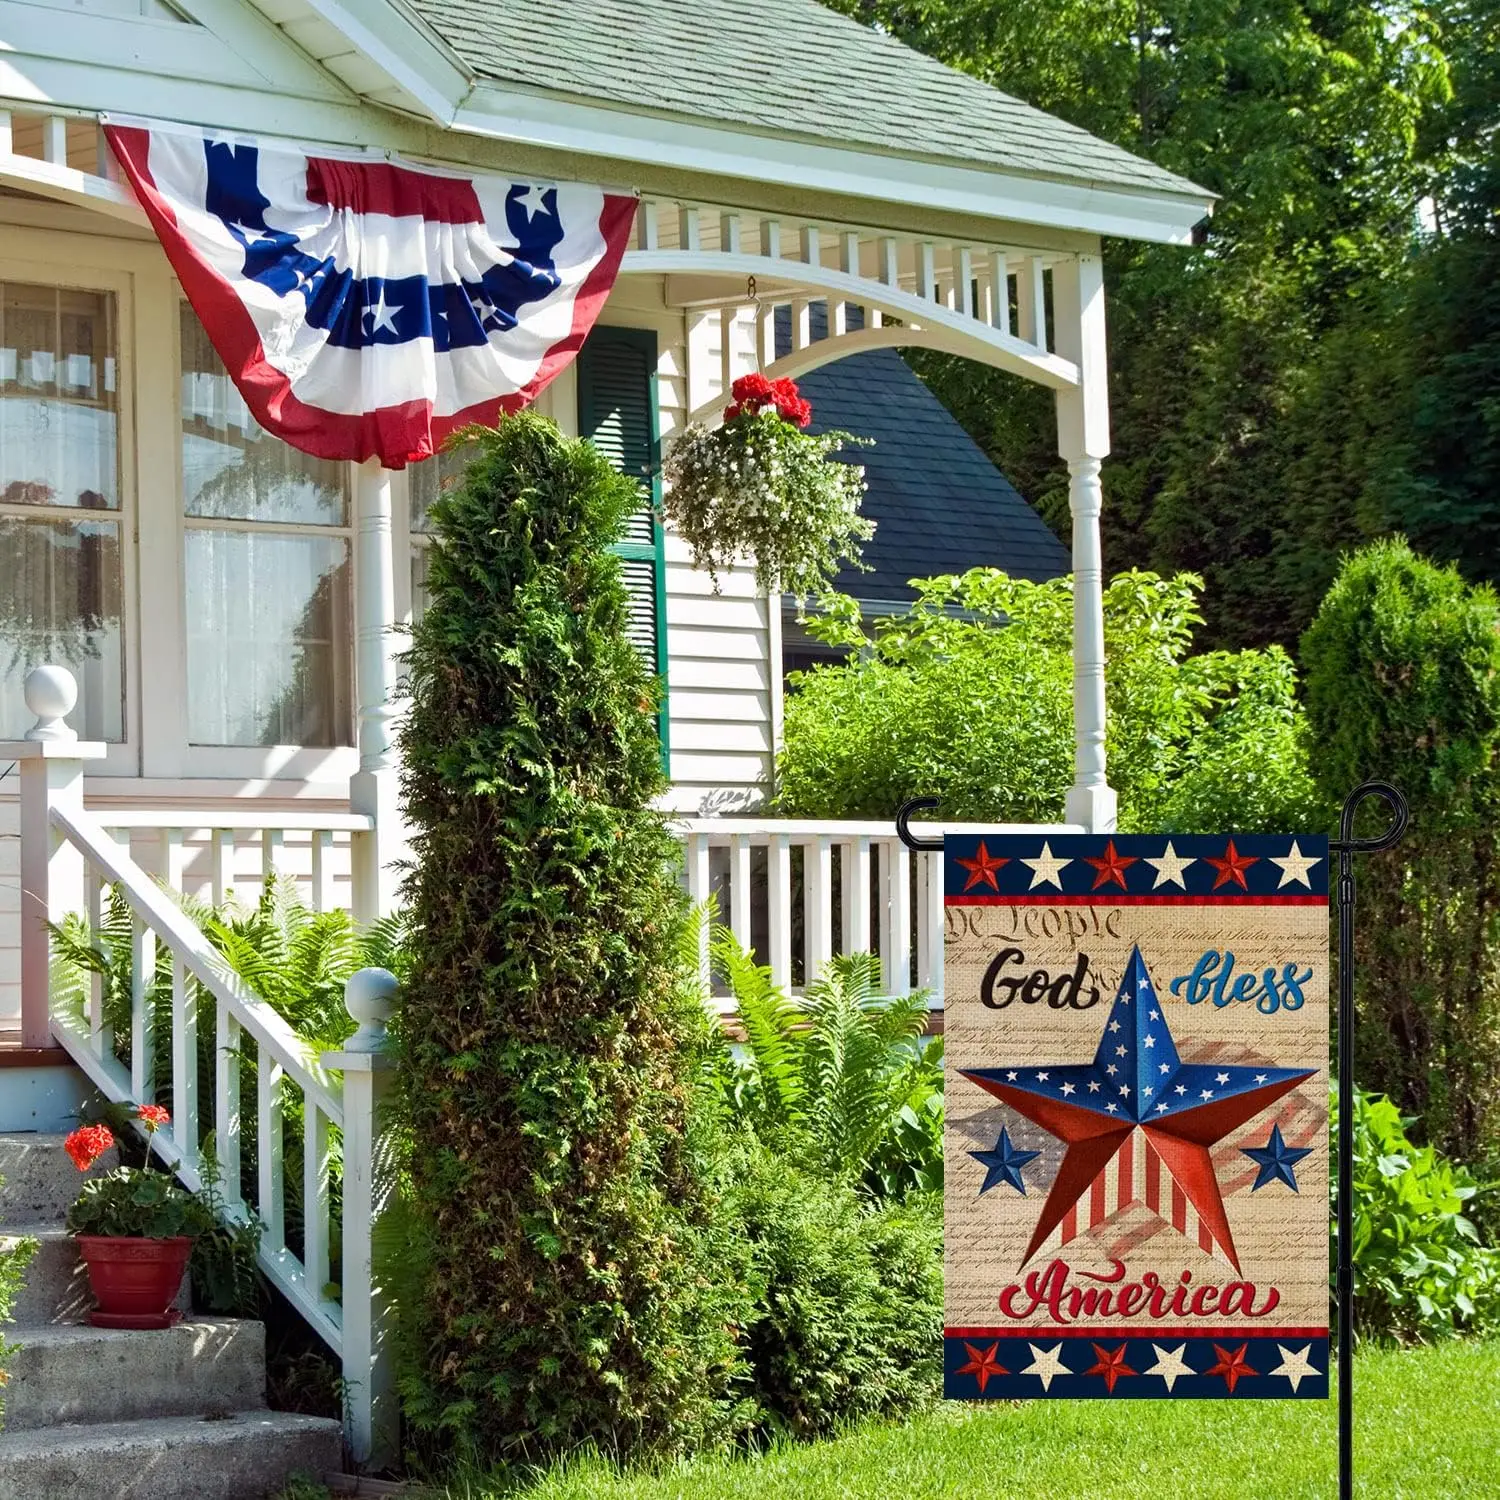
1170,1364
1294,867
1046,1364
1169,867
1296,1367
1045,869
534,200
383,314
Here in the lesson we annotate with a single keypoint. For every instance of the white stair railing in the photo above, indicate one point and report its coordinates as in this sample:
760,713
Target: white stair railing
67,853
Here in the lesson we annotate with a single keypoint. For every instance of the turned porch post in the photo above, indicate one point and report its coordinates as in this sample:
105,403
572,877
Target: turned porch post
1083,441
373,789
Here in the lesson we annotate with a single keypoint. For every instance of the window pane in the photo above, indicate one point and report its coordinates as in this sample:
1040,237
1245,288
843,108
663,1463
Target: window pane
60,603
428,479
231,466
268,639
418,583
58,410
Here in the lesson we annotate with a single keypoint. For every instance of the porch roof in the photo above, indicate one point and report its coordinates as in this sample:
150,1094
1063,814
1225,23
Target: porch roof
782,68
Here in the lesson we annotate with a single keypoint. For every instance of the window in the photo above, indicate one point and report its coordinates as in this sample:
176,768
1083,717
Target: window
267,571
426,481
60,530
618,412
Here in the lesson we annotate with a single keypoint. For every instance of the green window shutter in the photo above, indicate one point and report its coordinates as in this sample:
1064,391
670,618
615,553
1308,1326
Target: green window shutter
618,412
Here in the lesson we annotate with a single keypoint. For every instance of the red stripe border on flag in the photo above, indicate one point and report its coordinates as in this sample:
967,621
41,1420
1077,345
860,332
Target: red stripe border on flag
396,435
1098,1331
1125,898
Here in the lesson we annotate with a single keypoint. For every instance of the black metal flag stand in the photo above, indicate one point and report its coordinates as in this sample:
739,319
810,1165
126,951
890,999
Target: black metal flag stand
1346,846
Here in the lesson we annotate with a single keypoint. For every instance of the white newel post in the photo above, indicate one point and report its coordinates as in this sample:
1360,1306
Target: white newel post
373,789
369,1361
50,764
1083,441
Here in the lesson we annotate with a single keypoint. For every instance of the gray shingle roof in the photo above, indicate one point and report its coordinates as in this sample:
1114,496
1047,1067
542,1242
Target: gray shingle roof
779,66
939,505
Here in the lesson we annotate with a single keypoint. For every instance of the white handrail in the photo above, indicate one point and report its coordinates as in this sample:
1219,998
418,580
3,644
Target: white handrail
185,818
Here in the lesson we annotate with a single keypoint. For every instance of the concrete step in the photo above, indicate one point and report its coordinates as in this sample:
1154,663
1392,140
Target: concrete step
246,1456
40,1181
57,1286
66,1373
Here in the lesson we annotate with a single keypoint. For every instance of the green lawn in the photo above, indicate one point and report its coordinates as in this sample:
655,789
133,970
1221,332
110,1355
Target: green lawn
1428,1428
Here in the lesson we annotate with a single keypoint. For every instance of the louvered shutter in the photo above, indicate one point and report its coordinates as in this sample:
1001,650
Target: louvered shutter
618,412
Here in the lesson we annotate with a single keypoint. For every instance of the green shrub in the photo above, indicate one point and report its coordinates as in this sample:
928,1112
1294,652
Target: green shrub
843,1080
1402,671
968,697
14,1259
1420,1270
849,1296
571,1277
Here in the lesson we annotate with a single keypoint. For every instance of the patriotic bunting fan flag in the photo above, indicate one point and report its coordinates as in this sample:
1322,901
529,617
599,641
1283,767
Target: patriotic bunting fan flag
367,307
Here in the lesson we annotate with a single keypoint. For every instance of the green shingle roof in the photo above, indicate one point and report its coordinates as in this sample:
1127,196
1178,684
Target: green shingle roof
782,66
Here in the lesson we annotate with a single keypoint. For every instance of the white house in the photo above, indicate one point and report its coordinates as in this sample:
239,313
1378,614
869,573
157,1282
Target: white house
227,603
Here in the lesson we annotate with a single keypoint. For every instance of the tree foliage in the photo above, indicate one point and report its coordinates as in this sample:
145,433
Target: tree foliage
574,1278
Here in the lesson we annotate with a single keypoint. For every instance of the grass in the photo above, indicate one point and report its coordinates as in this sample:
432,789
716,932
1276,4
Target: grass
1427,1428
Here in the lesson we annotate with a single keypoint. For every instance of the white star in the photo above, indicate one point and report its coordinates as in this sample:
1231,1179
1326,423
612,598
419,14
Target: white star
1156,1015
1119,1052
1260,1077
383,314
1147,1092
1221,1077
1011,1075
1169,868
1296,1367
1045,870
1150,1041
1161,1107
1111,1108
1045,1364
1041,1077
1124,1090
1093,1086
1170,1364
1207,1093
1180,1089
1111,1070
534,200
1143,986
1294,867
1068,1089
1114,1025
1165,1068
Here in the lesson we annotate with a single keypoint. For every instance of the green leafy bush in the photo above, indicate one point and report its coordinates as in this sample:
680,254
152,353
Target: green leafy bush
1420,1270
968,697
848,1296
1402,671
15,1255
571,1276
841,1080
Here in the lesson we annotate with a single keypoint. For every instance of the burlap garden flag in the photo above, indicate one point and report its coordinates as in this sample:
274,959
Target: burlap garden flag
1137,1137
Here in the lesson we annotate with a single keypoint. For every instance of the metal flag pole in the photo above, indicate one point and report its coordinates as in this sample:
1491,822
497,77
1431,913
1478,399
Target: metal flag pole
1347,846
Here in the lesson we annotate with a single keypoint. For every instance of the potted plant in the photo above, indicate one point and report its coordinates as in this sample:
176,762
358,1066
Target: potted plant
759,484
134,1228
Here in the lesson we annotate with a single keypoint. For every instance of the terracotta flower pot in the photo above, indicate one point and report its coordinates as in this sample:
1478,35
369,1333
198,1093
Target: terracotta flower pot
135,1282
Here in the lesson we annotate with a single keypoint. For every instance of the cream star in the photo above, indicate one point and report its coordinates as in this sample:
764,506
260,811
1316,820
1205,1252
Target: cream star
1170,1364
384,316
1296,1367
1294,867
1169,867
1046,1364
534,200
1045,868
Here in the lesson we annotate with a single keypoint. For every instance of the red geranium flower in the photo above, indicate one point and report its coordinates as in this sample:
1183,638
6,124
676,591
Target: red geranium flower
732,411
87,1144
752,390
153,1117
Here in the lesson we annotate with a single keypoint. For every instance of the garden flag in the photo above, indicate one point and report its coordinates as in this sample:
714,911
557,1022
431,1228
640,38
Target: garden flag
367,307
1137,1127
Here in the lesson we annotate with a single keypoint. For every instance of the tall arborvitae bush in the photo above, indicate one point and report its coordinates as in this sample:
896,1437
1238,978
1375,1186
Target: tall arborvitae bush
572,1284
1402,669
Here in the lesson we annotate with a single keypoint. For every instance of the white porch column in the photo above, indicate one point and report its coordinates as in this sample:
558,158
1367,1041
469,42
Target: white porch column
1083,440
373,789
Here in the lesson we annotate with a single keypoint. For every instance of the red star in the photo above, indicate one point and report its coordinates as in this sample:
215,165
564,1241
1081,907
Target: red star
1111,1366
982,869
1232,866
1231,1365
982,1364
1111,865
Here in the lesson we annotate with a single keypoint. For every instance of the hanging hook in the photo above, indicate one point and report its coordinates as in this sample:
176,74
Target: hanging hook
903,825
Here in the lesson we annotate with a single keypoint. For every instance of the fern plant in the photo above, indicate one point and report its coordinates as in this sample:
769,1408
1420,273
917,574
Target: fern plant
843,1078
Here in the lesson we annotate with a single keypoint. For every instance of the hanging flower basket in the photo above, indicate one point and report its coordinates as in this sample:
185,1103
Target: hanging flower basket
762,485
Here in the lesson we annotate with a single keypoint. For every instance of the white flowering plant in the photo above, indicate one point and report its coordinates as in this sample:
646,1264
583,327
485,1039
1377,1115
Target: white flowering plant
762,485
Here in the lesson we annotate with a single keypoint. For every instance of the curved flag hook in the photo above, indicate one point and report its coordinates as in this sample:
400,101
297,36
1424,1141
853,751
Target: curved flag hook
903,825
1400,816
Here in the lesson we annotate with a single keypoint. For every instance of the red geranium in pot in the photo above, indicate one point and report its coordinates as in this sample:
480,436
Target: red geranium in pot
135,1229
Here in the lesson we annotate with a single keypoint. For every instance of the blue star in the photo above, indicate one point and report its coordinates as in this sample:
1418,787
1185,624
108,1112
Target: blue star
1004,1164
1276,1160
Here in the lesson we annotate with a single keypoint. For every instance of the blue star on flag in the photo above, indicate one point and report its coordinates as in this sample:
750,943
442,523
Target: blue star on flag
1137,1081
1276,1160
1004,1164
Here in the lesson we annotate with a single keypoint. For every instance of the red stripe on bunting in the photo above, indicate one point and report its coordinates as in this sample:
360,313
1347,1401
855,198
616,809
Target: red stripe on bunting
384,188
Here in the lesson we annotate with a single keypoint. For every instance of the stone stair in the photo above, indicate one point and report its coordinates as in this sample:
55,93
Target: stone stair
100,1414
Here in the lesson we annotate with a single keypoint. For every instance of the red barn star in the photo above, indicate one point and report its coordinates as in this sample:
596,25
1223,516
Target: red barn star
982,868
982,1364
1232,1364
1111,865
1231,867
1110,1364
